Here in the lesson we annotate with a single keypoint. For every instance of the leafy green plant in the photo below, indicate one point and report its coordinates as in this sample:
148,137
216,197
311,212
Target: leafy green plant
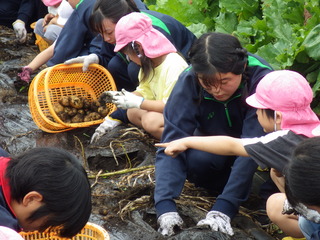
284,32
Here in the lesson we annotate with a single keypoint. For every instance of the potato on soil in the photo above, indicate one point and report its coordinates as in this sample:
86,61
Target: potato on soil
103,111
92,117
76,102
64,101
57,107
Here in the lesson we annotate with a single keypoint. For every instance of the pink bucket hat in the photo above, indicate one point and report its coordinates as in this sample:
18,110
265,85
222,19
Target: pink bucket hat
50,3
289,93
138,27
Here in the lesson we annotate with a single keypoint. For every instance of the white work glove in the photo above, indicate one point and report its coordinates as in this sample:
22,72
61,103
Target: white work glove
302,210
86,60
127,100
108,124
107,96
168,221
20,30
217,221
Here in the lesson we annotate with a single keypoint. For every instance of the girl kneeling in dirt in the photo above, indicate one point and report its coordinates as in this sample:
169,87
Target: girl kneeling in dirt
282,100
161,66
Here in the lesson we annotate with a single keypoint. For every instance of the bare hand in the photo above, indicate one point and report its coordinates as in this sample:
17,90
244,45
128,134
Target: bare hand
173,148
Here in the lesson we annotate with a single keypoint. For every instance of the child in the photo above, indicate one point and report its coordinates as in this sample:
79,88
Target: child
63,13
160,67
51,25
282,100
302,179
104,17
44,188
208,100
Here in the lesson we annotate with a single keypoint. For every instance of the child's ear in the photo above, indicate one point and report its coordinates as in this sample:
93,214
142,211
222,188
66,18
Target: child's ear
278,117
31,198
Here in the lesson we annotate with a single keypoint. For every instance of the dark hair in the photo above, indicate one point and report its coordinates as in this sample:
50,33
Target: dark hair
146,62
215,53
61,180
269,113
112,10
302,175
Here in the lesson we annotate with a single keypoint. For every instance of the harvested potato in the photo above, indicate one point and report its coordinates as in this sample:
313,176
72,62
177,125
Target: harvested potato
77,118
71,111
92,117
76,102
95,105
103,111
86,103
64,101
64,117
57,107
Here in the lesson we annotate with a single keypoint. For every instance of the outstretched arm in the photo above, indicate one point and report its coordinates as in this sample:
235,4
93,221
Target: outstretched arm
221,145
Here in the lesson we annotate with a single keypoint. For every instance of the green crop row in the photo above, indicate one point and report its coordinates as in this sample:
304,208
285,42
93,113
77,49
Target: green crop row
284,32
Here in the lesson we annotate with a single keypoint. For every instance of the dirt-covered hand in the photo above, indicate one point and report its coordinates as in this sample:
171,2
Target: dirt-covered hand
217,221
86,60
108,124
168,221
127,100
20,30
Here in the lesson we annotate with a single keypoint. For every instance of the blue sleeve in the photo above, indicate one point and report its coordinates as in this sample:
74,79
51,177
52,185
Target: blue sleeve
26,10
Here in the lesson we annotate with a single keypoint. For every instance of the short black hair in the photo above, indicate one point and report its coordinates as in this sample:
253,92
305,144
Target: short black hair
302,175
62,181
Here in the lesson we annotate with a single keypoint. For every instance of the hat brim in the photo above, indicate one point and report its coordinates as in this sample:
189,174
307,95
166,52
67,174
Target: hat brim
253,102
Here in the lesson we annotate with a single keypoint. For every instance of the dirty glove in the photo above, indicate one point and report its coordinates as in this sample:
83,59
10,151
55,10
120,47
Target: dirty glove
107,96
288,209
108,124
25,74
23,77
168,221
217,221
20,30
307,213
127,100
86,60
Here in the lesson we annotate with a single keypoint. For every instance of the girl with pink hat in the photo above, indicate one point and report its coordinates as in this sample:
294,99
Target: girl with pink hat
160,67
283,101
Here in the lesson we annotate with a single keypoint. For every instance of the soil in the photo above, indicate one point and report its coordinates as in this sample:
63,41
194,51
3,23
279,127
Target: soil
120,166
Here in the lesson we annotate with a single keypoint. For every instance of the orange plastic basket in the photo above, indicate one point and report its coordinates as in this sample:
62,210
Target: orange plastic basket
66,80
90,232
39,108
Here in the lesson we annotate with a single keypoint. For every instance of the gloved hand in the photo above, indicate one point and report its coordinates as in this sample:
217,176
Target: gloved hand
86,60
127,100
108,124
107,96
307,213
287,208
23,77
217,221
168,221
20,30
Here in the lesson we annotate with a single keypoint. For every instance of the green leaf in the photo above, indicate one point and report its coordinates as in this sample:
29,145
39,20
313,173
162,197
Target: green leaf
312,43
